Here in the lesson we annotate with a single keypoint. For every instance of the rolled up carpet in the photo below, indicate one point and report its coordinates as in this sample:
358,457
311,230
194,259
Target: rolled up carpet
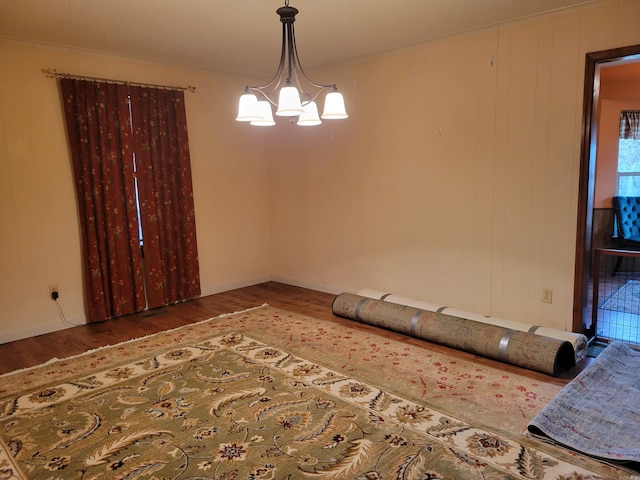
536,352
389,297
579,342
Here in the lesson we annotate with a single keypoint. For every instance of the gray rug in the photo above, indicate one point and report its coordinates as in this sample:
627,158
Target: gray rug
598,412
625,299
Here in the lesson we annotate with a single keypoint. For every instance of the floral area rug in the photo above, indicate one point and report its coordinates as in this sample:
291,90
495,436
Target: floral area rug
209,401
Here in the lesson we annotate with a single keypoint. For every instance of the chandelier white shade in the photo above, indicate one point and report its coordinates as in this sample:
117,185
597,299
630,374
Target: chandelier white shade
262,116
309,116
334,106
248,108
291,92
289,104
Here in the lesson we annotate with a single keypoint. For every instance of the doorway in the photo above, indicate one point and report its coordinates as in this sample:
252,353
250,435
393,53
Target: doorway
582,311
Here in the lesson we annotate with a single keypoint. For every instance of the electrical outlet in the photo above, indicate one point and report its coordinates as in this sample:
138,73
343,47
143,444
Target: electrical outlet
54,292
547,295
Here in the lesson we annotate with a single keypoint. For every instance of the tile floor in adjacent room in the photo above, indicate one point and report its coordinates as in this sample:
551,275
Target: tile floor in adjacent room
618,326
621,320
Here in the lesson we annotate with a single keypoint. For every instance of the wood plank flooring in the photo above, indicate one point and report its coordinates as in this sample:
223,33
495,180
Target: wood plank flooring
76,340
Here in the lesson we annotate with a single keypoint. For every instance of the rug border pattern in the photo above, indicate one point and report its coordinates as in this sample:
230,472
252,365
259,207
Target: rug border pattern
436,425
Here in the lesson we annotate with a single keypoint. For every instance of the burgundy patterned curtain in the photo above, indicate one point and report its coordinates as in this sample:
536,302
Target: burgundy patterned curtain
166,195
119,134
99,132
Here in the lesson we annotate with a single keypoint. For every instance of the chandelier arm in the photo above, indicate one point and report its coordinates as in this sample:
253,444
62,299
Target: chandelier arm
277,77
322,88
294,50
262,94
305,96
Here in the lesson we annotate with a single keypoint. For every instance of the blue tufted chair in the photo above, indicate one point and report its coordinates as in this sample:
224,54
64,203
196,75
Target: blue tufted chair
627,220
626,224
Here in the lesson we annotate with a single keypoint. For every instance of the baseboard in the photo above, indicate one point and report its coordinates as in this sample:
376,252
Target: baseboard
39,330
213,289
320,287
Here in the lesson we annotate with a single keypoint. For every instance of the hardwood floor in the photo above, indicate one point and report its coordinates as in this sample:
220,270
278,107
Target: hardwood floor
76,340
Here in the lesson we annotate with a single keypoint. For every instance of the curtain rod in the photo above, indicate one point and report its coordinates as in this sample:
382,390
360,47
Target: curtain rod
53,73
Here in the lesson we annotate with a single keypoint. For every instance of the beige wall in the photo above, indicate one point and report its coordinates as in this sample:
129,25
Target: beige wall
455,179
39,233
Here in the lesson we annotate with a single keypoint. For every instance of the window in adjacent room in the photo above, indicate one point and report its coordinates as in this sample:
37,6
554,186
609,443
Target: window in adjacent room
629,154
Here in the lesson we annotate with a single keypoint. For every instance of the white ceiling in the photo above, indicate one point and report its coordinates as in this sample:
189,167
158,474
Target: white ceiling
243,37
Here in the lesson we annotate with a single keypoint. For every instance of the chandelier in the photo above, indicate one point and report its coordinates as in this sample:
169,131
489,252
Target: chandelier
290,91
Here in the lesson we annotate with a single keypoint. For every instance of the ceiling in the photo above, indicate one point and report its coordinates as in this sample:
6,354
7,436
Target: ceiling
243,37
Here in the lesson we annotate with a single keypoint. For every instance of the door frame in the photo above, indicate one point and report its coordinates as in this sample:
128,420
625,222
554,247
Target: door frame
584,255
